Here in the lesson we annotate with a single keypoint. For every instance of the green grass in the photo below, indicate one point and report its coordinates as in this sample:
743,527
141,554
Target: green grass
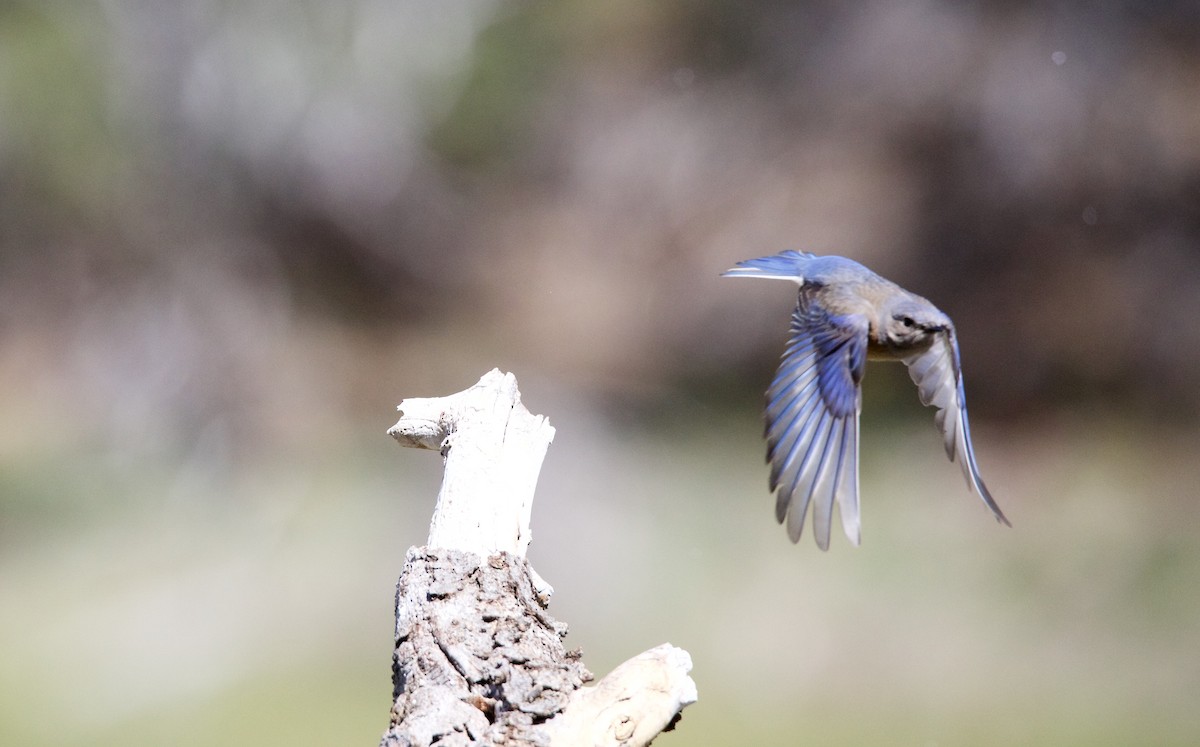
262,615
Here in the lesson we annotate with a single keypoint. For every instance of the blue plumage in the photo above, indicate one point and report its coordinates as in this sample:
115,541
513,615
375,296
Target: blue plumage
844,313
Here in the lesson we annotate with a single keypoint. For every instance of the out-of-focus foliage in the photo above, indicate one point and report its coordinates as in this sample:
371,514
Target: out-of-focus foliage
232,235
570,176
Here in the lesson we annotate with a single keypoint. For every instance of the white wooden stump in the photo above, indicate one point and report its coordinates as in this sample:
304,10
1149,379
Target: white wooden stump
478,660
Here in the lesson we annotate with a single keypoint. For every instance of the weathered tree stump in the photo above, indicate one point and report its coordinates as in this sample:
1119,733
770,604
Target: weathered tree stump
478,660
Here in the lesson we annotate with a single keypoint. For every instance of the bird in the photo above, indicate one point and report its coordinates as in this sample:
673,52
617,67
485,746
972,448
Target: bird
846,315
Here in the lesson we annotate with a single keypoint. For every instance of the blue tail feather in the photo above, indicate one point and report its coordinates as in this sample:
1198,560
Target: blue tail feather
787,264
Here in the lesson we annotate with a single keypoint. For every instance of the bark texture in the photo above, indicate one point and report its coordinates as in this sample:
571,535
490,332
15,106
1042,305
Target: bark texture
478,659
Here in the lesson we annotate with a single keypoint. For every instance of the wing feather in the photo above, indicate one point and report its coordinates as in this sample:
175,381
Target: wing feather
812,420
937,372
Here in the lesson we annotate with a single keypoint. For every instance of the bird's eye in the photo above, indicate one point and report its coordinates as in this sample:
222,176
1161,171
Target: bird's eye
908,322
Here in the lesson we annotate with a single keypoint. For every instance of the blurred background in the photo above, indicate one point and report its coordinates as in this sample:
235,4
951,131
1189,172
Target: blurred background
233,236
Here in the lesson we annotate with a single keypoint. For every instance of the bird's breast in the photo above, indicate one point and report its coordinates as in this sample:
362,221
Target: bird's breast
881,348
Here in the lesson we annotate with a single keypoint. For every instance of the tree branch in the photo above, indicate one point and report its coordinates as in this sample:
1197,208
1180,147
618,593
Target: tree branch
478,660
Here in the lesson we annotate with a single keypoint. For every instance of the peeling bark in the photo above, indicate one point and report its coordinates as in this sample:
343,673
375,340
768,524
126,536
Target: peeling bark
478,659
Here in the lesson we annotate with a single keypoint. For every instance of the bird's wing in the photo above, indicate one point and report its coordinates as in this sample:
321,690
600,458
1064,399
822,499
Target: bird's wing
812,421
938,376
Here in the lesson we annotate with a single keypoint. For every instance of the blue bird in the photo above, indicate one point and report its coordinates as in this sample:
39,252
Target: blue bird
845,315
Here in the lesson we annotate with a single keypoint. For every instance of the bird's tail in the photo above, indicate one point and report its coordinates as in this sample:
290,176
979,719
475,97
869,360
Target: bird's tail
788,265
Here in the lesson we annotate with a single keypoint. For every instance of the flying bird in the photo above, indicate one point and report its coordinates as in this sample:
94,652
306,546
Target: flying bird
845,315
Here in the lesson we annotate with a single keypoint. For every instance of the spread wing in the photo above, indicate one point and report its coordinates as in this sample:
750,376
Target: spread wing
812,420
938,376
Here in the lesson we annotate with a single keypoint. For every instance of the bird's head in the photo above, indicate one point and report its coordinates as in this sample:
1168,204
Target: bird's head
913,322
